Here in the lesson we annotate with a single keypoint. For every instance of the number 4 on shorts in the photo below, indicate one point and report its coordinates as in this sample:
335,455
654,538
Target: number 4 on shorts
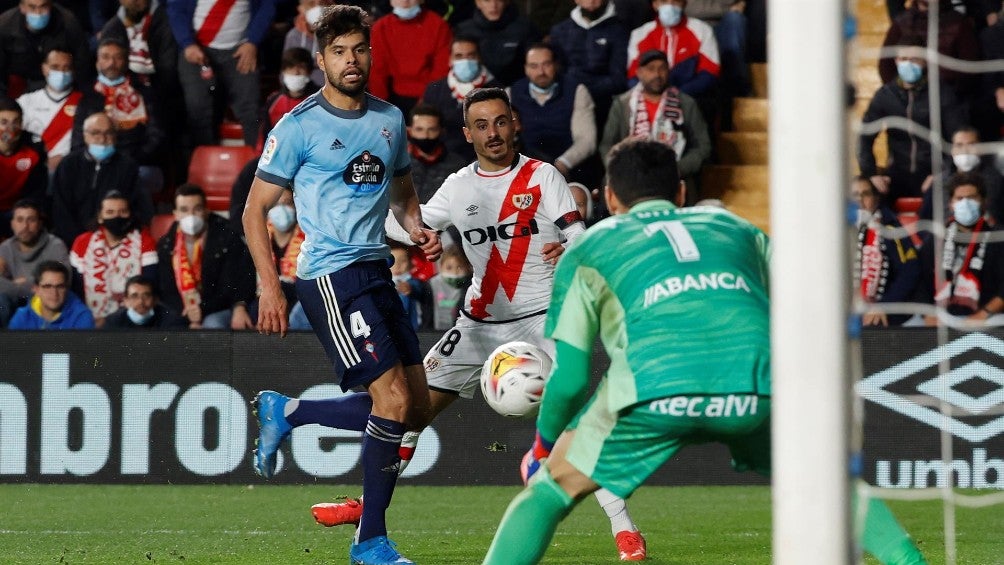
357,325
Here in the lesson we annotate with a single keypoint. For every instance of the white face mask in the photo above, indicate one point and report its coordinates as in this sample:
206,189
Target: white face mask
192,225
403,277
282,217
864,216
966,211
966,162
295,83
137,318
670,14
313,15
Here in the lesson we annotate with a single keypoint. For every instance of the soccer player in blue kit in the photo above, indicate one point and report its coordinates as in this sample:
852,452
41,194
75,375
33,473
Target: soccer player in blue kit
344,155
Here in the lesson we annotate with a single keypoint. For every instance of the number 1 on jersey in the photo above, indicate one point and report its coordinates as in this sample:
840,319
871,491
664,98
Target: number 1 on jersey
678,236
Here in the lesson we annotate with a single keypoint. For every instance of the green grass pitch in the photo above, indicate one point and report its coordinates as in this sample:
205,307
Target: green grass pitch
271,525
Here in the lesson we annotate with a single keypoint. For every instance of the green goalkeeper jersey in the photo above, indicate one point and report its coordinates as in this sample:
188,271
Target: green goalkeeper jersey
679,297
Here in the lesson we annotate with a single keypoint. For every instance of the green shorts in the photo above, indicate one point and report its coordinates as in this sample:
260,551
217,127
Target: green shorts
619,450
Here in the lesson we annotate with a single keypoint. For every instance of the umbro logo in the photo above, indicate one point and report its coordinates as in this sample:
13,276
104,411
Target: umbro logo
337,144
472,210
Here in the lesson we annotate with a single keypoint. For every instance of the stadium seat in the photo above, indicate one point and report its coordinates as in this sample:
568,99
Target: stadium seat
231,133
908,204
214,168
160,224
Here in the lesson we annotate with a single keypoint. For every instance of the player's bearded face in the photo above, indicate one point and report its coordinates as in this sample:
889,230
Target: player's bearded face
346,63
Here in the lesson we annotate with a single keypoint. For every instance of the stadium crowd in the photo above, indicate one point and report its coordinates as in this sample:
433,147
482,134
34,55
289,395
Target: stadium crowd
104,103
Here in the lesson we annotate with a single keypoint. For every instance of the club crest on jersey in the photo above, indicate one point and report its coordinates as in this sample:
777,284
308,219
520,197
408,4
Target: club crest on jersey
371,349
365,173
385,133
522,201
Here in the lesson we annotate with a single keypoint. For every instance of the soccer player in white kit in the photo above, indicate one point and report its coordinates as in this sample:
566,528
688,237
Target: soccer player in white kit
514,214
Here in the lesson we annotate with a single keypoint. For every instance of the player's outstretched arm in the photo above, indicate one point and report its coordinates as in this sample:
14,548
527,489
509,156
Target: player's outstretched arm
404,206
565,393
272,317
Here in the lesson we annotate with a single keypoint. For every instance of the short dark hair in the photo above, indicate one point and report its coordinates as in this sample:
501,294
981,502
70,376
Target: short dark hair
51,266
966,179
966,128
29,203
339,20
57,49
113,41
140,280
424,109
294,57
541,45
483,95
190,189
10,105
465,38
639,169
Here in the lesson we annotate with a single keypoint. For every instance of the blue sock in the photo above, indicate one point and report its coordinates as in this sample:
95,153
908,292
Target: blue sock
349,412
380,462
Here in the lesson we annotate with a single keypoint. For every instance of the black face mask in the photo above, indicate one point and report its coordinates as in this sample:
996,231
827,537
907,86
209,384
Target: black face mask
427,146
118,227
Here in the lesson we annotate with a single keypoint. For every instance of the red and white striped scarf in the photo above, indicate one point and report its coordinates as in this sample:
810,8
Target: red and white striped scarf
106,269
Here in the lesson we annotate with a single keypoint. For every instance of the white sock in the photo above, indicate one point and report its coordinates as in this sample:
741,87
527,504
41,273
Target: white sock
291,405
616,510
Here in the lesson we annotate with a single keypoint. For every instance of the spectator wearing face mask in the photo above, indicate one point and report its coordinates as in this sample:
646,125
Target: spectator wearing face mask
204,268
133,107
142,309
411,47
49,111
87,173
965,159
30,30
449,286
106,258
295,85
308,13
972,263
908,169
447,95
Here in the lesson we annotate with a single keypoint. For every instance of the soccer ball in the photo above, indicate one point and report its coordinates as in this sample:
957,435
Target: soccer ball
513,377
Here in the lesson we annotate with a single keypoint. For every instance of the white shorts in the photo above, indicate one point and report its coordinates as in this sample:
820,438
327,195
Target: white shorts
454,363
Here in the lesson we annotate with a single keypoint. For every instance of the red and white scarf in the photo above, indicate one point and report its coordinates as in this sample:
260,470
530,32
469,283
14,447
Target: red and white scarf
105,270
872,262
187,270
961,287
460,89
123,104
663,124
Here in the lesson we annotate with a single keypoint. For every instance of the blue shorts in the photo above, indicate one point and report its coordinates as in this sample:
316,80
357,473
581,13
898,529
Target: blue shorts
359,318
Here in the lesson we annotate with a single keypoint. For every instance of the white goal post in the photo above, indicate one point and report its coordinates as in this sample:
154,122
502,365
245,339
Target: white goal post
809,283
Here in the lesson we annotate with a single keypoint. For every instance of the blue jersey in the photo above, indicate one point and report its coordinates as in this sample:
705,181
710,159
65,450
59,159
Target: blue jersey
340,164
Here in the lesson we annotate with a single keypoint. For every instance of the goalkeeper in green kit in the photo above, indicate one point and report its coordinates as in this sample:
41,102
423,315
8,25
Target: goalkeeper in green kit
679,299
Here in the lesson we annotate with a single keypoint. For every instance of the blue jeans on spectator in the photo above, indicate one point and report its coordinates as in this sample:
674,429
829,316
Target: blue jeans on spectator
241,92
217,320
730,33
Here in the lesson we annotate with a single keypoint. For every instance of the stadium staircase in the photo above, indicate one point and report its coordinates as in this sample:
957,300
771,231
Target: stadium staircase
740,179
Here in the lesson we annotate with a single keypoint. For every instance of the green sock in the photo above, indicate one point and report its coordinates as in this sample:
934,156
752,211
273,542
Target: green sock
884,538
529,523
